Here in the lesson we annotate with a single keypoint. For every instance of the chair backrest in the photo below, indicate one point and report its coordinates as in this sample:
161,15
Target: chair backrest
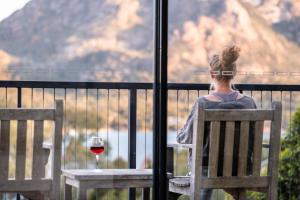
250,123
22,116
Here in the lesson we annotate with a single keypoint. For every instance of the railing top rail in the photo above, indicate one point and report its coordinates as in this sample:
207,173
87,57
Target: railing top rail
139,85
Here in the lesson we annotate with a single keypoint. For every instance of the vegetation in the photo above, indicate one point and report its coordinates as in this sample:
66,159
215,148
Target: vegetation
289,170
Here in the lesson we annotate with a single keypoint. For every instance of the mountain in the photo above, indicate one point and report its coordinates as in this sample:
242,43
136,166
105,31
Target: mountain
112,40
283,15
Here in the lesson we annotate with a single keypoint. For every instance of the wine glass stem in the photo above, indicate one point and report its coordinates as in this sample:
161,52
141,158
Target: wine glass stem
97,161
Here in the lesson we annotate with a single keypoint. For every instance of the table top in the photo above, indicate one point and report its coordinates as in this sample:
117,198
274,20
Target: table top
107,174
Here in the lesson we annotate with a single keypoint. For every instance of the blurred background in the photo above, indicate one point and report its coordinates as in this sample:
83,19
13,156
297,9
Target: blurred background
92,40
112,41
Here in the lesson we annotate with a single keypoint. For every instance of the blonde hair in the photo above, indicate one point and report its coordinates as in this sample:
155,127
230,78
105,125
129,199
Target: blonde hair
223,66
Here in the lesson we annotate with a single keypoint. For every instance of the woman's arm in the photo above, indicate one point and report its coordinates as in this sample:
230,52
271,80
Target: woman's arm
185,135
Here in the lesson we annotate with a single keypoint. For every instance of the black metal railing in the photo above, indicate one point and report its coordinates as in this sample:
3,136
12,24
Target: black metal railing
122,114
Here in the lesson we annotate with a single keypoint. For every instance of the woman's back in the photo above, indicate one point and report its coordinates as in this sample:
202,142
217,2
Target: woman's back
232,100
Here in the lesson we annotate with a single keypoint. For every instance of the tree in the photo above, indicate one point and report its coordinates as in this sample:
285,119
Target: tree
289,168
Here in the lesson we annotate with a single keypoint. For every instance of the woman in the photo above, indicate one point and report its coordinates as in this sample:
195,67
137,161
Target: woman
223,70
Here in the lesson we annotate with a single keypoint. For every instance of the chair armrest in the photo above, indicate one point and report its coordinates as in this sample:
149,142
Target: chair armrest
178,145
47,148
47,145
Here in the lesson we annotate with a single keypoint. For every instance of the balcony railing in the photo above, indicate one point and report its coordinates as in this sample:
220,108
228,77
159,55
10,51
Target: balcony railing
121,113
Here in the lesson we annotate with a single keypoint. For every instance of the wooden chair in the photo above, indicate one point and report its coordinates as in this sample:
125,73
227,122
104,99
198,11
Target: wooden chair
36,187
240,182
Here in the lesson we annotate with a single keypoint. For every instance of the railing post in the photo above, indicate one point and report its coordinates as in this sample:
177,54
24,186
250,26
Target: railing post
19,106
132,101
19,103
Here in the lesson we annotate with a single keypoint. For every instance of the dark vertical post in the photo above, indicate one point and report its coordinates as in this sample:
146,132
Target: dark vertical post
163,100
156,105
19,97
132,135
160,100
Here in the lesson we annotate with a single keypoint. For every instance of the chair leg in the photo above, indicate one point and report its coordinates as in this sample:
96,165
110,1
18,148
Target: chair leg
146,194
242,194
68,192
173,196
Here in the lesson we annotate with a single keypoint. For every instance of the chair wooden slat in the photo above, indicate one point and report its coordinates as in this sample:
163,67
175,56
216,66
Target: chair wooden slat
228,148
198,137
235,182
25,185
26,114
21,149
238,115
221,182
257,148
243,148
4,149
38,158
214,149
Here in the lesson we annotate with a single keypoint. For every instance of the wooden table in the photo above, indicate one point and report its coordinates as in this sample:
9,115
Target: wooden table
84,179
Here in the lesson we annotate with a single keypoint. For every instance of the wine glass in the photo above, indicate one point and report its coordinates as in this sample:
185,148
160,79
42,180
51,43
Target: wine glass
97,147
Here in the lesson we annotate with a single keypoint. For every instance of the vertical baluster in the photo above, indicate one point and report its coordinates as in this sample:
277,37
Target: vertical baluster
188,110
280,145
54,96
97,112
86,124
118,128
132,134
75,129
271,96
97,130
261,100
290,121
188,98
6,97
65,126
145,129
19,103
177,130
107,124
43,92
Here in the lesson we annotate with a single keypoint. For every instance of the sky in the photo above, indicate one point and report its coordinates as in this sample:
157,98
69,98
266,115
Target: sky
7,7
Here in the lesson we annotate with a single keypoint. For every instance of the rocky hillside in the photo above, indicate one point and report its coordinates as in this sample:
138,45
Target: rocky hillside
283,15
111,40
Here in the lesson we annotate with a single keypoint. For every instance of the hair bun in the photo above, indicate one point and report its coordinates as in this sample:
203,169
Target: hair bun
230,55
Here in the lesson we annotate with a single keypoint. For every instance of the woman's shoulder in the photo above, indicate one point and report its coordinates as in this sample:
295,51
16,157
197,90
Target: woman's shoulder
209,98
242,98
247,100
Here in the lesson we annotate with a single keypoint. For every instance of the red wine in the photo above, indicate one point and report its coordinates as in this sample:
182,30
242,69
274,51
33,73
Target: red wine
97,149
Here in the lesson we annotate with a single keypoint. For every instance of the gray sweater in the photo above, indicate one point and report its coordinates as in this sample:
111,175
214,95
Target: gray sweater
229,101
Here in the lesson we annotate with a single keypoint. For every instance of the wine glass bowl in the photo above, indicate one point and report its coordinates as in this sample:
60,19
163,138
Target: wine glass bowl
97,147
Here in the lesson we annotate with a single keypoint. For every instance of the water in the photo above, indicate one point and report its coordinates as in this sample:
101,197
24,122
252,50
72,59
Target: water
118,143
